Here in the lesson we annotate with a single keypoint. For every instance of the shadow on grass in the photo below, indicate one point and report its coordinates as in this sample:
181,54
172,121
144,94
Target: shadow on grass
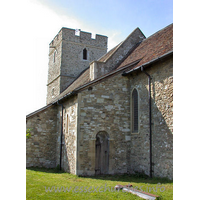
137,177
46,170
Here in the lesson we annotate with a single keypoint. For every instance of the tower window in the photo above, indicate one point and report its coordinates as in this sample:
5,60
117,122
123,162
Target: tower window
85,54
54,56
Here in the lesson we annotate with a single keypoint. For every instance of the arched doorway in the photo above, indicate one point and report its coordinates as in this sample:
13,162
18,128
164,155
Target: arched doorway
102,153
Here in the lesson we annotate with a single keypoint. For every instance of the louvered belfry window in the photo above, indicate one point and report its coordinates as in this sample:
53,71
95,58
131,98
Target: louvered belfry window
135,111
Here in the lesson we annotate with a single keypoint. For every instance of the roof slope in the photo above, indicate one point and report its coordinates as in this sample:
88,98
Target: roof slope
154,46
84,76
82,79
106,56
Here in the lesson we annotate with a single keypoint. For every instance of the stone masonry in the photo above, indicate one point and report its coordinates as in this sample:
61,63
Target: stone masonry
162,121
97,110
106,107
105,65
66,60
69,140
102,109
41,146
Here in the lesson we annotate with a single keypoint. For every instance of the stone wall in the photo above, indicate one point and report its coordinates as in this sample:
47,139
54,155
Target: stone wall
72,53
53,89
162,121
106,107
104,66
69,140
66,58
41,146
55,53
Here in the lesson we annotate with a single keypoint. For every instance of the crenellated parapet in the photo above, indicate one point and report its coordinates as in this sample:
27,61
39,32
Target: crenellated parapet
70,52
71,35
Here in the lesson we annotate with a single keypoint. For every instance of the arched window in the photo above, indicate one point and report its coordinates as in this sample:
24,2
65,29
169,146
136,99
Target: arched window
135,111
85,54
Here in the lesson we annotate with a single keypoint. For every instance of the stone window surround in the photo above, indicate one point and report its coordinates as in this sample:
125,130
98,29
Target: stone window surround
54,56
131,112
53,92
85,54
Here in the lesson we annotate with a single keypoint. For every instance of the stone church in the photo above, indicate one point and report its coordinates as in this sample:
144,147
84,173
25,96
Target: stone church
107,112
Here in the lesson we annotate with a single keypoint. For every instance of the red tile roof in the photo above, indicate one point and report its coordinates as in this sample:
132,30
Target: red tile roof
154,46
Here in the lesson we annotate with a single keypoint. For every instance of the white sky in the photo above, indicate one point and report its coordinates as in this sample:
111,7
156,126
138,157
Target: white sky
42,25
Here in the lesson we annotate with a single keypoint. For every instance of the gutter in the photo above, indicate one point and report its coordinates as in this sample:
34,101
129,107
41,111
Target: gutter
39,110
64,97
159,58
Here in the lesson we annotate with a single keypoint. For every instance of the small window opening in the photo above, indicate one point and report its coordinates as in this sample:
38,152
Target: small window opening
67,127
84,54
54,56
52,92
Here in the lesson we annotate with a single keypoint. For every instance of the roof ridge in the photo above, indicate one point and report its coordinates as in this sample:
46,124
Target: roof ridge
128,53
158,31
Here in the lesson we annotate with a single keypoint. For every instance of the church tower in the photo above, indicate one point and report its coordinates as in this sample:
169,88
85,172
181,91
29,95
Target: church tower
70,52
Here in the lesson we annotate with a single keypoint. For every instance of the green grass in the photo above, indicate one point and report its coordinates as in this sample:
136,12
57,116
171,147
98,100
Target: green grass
38,180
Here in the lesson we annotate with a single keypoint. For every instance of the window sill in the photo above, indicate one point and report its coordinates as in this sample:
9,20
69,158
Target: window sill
135,133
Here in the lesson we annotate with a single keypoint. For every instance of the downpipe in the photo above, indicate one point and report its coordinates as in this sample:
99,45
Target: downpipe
150,128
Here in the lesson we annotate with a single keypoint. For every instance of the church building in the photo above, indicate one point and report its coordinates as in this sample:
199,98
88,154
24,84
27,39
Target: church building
107,112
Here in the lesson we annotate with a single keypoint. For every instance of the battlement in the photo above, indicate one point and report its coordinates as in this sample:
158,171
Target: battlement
70,52
70,35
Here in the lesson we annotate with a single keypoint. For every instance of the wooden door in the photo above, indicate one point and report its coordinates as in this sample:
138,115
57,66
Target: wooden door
102,153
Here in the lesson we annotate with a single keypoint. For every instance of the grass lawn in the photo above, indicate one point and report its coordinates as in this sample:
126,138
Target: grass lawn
50,184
